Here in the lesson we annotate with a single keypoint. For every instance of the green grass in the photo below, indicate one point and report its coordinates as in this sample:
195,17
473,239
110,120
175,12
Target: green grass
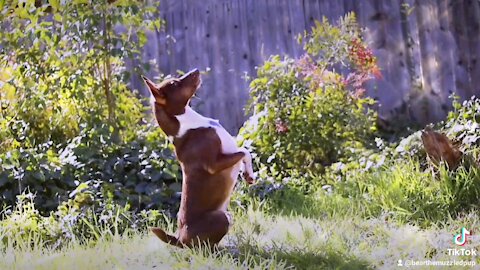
259,241
370,221
403,191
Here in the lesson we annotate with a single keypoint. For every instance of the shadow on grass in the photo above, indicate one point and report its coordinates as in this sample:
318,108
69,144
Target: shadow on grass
299,259
292,201
314,261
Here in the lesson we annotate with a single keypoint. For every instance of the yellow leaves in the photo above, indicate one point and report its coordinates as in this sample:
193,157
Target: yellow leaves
81,1
122,3
142,38
331,77
7,91
21,13
6,74
53,157
55,4
57,17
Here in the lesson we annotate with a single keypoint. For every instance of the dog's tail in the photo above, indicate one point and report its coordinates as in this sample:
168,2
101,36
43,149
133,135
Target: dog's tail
169,239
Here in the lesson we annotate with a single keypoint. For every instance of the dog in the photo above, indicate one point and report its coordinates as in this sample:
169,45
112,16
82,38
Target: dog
209,158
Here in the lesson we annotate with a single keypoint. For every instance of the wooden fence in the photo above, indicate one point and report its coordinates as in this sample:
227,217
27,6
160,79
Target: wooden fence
426,49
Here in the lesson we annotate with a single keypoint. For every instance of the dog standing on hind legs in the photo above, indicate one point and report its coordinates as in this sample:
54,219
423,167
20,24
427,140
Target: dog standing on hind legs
209,158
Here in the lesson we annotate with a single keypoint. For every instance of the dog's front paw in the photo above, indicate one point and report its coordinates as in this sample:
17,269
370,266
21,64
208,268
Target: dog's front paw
250,178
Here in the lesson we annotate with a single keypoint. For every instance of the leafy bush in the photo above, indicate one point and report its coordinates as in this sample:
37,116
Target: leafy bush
71,131
141,173
463,124
306,114
393,181
57,74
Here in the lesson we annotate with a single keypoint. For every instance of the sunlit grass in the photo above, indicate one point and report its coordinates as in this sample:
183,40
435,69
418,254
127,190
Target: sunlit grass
403,191
290,230
258,241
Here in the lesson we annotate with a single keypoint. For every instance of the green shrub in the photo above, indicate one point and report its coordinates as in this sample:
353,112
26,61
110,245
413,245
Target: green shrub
67,117
141,173
62,68
306,114
463,124
393,181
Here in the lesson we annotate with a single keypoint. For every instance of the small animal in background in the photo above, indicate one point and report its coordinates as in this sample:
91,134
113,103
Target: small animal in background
209,158
440,148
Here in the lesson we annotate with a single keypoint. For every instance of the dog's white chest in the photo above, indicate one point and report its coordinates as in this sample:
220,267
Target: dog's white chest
192,120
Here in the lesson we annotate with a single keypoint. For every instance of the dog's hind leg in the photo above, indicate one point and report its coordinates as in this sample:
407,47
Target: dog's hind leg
210,228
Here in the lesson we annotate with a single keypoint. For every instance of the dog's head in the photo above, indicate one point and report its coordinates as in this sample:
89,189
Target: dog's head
174,94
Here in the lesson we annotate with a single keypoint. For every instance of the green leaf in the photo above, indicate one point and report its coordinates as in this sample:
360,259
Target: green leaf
80,1
6,74
57,17
55,4
123,3
8,91
22,13
142,38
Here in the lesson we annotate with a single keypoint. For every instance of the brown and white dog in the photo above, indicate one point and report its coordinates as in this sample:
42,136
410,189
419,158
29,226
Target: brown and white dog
209,158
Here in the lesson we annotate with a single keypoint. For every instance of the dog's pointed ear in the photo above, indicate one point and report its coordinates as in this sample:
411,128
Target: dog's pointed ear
157,94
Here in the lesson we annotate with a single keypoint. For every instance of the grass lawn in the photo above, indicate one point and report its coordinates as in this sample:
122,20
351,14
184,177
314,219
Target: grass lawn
261,241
